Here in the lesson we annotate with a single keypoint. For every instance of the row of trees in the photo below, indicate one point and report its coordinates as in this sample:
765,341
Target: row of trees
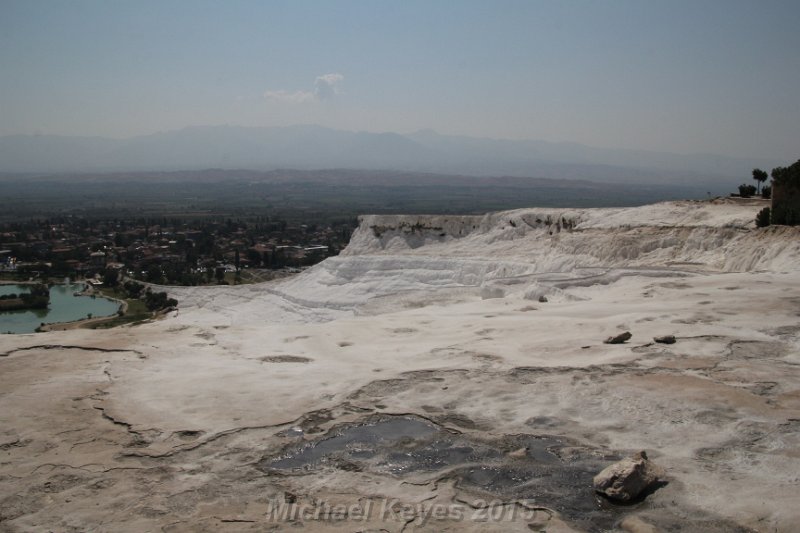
154,301
38,297
748,191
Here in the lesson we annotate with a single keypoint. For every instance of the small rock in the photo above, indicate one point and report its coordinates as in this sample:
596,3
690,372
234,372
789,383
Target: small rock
628,479
634,524
619,339
666,339
543,299
519,454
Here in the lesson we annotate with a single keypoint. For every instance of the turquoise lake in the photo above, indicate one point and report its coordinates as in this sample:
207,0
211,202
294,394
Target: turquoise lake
64,307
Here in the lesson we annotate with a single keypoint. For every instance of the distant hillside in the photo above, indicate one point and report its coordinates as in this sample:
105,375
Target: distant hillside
307,194
315,147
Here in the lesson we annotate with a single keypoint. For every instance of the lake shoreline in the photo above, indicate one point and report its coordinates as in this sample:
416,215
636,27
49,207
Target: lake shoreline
88,291
68,302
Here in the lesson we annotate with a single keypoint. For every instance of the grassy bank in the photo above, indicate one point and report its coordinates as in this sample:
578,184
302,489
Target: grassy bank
135,310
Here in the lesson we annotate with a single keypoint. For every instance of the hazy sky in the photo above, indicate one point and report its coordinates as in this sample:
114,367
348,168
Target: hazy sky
670,75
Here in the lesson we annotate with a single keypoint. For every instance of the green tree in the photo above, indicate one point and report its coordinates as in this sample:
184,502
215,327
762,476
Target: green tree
785,212
111,277
789,176
219,273
760,176
154,274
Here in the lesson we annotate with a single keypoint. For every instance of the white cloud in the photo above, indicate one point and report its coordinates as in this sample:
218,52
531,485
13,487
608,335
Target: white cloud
325,88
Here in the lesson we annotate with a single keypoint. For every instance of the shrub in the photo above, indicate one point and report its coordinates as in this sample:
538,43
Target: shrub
156,301
766,192
746,191
762,218
133,289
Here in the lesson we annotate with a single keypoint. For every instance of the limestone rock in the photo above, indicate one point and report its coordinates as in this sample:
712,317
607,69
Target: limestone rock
519,454
629,478
619,339
666,339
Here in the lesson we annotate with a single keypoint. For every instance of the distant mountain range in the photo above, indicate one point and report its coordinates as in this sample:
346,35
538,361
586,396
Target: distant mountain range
315,147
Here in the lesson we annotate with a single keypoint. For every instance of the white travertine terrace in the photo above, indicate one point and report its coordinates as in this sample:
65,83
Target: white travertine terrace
159,426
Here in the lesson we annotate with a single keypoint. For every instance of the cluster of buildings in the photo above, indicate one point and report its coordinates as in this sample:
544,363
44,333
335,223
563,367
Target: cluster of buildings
168,251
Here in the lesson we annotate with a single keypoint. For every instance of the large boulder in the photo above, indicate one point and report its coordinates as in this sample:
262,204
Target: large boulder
627,479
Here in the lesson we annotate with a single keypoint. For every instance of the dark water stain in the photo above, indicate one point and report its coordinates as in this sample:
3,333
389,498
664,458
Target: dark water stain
512,467
356,441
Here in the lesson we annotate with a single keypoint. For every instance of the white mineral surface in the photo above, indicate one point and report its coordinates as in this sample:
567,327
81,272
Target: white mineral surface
180,424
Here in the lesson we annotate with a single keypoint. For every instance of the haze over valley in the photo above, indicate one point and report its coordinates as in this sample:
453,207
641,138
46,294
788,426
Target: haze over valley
314,147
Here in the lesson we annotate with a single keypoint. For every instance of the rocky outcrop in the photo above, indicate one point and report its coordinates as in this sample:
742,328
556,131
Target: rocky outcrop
717,235
629,478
